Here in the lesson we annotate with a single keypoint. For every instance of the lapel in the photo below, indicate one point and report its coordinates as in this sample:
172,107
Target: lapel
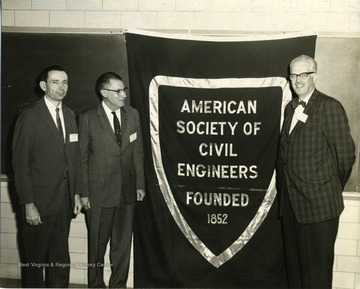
289,112
67,122
310,104
70,125
104,121
49,122
124,125
124,118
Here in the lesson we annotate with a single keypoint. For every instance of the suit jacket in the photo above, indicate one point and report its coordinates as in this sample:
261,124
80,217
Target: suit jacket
42,163
316,159
108,170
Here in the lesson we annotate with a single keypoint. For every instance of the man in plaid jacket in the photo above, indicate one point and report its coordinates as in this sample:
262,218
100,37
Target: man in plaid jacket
315,160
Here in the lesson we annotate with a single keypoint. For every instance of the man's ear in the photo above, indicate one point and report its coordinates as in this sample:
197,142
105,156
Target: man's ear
103,93
42,85
315,76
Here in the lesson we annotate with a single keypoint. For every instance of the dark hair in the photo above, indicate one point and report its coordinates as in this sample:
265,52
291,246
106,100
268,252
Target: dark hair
45,73
105,79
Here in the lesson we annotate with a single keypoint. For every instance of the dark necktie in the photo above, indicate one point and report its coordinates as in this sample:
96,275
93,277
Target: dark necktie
295,104
58,123
117,128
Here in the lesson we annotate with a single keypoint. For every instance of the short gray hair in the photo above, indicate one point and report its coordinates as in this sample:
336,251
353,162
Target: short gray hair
305,58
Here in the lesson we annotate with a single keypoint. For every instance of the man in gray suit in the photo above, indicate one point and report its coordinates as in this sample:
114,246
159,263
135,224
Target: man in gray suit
112,165
316,157
45,150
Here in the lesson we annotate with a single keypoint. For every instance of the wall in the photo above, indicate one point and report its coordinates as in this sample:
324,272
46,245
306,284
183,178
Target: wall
335,18
340,16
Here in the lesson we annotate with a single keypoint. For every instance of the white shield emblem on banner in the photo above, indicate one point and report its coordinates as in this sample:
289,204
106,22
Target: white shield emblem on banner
216,259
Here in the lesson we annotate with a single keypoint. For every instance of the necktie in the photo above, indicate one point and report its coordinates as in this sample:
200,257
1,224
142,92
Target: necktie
295,104
117,128
294,120
58,123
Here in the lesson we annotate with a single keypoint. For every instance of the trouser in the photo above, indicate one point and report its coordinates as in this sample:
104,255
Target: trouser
46,247
114,224
309,249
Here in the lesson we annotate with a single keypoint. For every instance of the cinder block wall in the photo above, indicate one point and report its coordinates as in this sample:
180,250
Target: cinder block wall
327,17
340,16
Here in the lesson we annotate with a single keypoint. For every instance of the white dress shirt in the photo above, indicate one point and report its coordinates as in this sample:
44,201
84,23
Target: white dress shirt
299,109
110,115
52,110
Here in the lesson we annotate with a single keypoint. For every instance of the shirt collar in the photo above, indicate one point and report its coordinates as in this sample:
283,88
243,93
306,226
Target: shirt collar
108,110
306,99
50,105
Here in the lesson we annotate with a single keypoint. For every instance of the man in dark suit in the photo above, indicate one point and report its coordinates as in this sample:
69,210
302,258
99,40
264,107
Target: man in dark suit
44,160
316,157
112,178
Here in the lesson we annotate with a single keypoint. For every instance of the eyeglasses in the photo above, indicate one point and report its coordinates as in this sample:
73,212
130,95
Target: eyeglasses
118,91
302,75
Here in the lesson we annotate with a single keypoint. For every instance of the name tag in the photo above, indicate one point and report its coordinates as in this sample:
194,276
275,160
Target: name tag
133,137
301,116
73,137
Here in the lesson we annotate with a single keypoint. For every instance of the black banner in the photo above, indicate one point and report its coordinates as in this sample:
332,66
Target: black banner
211,113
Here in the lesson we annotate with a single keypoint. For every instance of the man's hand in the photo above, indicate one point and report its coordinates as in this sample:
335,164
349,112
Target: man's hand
78,205
140,195
85,202
32,214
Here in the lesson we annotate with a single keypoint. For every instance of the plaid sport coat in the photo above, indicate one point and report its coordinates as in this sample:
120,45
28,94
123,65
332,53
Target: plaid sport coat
316,159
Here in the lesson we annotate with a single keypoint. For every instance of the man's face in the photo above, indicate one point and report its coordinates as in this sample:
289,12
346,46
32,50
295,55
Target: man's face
303,87
114,96
56,85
